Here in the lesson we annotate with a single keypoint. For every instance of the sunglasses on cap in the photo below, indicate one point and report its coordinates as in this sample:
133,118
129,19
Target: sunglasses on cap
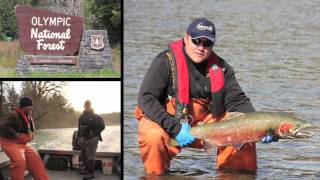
198,41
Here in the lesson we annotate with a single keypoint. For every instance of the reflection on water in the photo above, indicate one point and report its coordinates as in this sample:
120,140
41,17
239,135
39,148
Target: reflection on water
61,139
274,49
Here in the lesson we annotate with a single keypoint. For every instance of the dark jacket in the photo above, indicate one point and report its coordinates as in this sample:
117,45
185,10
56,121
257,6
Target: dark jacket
87,125
12,124
157,86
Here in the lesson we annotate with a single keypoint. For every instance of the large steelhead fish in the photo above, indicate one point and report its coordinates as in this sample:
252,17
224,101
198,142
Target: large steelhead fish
241,128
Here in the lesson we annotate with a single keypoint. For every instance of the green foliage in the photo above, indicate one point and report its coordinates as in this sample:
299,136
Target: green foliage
116,57
56,112
99,14
106,15
8,72
50,107
7,19
112,119
35,2
103,73
9,52
8,26
12,98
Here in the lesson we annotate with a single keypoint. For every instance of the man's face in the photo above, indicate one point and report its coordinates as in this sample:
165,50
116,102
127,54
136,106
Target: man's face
87,107
27,109
197,53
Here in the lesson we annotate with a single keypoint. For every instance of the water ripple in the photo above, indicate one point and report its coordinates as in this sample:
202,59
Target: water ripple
274,48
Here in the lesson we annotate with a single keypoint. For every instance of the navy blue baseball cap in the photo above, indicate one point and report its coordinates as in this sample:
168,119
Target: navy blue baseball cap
202,27
25,101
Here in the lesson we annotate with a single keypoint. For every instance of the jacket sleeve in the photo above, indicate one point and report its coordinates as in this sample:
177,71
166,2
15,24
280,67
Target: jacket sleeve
235,99
6,126
153,92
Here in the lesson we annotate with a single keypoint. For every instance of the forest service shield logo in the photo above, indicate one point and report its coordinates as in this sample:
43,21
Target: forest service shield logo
97,42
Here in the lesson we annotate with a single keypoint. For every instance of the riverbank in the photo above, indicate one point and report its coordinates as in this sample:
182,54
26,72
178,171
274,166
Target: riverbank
10,52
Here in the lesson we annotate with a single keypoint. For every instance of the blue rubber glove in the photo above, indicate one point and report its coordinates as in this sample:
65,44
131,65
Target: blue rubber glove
269,138
184,137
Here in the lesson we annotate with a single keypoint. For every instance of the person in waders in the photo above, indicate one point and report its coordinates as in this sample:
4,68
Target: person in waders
89,131
185,85
16,131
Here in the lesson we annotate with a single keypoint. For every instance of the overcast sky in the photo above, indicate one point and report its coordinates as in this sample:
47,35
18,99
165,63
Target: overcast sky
105,96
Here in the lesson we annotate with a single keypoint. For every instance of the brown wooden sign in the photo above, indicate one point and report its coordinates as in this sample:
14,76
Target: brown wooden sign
71,60
45,32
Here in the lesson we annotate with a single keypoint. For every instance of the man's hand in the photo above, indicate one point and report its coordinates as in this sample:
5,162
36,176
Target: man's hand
184,137
269,138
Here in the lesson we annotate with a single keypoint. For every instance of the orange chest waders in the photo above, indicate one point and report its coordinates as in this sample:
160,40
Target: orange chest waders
23,157
155,152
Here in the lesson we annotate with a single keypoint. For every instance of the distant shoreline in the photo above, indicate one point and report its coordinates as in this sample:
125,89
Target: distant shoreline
72,127
111,119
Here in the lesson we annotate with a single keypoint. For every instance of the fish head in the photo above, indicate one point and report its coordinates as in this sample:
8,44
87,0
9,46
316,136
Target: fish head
294,128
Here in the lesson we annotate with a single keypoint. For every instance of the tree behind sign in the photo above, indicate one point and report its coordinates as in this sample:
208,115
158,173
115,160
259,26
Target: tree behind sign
105,14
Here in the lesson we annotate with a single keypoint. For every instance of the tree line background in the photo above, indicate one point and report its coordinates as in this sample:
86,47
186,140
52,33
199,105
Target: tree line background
50,108
97,14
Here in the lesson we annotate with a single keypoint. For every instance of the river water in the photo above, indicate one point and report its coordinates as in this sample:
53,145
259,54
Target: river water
61,139
274,48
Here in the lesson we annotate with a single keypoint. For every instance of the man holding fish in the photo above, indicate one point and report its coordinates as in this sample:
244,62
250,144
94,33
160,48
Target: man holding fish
185,86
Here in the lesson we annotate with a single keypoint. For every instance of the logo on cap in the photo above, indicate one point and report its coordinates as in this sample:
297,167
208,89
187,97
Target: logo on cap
202,27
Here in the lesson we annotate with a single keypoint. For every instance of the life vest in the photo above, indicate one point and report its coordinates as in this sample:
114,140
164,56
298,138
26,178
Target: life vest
27,121
182,82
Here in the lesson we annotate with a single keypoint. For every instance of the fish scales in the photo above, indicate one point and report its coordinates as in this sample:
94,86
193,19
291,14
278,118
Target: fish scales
241,128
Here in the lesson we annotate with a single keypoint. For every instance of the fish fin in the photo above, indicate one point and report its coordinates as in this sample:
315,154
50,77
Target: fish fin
173,142
208,145
232,115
